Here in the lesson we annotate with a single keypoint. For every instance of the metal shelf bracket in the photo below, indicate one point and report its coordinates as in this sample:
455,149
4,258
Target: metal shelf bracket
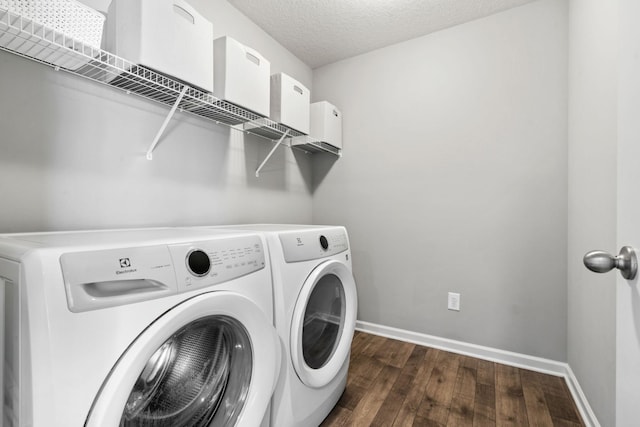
165,123
266,159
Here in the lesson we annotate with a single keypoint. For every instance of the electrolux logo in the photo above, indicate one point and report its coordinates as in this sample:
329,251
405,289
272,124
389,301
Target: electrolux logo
125,265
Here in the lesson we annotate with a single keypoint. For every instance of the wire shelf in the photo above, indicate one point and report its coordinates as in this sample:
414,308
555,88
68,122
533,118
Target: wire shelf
29,39
311,145
269,129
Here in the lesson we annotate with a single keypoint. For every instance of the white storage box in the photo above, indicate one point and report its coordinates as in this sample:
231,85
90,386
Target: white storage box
168,36
69,18
290,102
326,123
241,75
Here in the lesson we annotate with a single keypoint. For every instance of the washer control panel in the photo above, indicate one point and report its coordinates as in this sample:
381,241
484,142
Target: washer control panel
111,277
206,263
313,244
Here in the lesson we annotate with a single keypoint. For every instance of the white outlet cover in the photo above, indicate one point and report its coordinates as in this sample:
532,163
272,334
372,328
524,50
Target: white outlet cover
453,301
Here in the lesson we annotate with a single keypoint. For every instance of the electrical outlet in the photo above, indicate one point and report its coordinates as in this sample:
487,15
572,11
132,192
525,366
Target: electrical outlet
453,302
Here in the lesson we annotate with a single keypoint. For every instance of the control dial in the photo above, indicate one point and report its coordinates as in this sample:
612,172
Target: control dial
324,243
198,262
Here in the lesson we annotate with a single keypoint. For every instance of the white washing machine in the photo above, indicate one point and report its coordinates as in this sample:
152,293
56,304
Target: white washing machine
315,308
163,327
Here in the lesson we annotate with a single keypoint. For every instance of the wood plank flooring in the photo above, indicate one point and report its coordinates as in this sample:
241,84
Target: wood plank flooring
394,383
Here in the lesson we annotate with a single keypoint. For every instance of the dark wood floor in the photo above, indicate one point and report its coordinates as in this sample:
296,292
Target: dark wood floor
394,383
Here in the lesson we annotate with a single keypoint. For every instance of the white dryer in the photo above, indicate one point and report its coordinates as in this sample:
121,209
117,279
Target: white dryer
137,328
315,308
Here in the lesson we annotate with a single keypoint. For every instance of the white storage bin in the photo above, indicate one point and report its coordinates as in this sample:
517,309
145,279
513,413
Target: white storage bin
69,18
290,102
326,123
241,75
168,36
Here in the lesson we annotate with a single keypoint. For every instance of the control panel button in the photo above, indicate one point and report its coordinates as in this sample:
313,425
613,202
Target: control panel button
324,243
198,262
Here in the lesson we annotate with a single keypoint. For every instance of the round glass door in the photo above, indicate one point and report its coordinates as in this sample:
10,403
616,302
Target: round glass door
323,323
203,370
212,360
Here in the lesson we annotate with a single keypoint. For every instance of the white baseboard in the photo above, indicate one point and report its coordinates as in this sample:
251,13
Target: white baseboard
533,363
588,416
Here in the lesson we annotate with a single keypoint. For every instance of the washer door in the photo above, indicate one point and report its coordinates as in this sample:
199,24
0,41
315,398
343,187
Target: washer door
210,361
323,322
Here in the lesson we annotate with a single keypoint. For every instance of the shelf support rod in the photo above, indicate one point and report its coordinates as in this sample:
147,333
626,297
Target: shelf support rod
166,122
266,159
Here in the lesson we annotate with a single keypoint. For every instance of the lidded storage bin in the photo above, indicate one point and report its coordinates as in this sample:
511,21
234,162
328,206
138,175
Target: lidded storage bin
168,36
69,18
241,75
326,123
290,102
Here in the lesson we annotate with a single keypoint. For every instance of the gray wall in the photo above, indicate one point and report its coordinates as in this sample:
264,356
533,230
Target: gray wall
593,89
72,153
454,179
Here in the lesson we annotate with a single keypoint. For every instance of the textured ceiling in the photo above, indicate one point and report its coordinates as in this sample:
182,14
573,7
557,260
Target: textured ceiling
320,32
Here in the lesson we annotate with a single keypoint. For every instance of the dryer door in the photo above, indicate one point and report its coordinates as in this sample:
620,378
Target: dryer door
323,322
210,361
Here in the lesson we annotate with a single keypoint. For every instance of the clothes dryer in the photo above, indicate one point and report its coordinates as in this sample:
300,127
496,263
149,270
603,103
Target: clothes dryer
315,308
137,328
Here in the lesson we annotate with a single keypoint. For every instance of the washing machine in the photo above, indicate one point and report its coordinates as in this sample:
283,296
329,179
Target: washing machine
163,327
315,308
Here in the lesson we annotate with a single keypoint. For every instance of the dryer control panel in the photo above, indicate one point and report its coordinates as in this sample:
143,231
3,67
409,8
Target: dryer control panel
313,244
200,264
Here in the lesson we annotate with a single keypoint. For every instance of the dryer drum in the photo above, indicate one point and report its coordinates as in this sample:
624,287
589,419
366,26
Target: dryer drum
200,374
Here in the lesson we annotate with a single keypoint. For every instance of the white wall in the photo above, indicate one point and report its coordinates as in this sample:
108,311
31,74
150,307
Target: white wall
593,87
454,179
72,153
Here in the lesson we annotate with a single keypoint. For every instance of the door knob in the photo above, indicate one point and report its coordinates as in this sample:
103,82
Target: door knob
601,262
